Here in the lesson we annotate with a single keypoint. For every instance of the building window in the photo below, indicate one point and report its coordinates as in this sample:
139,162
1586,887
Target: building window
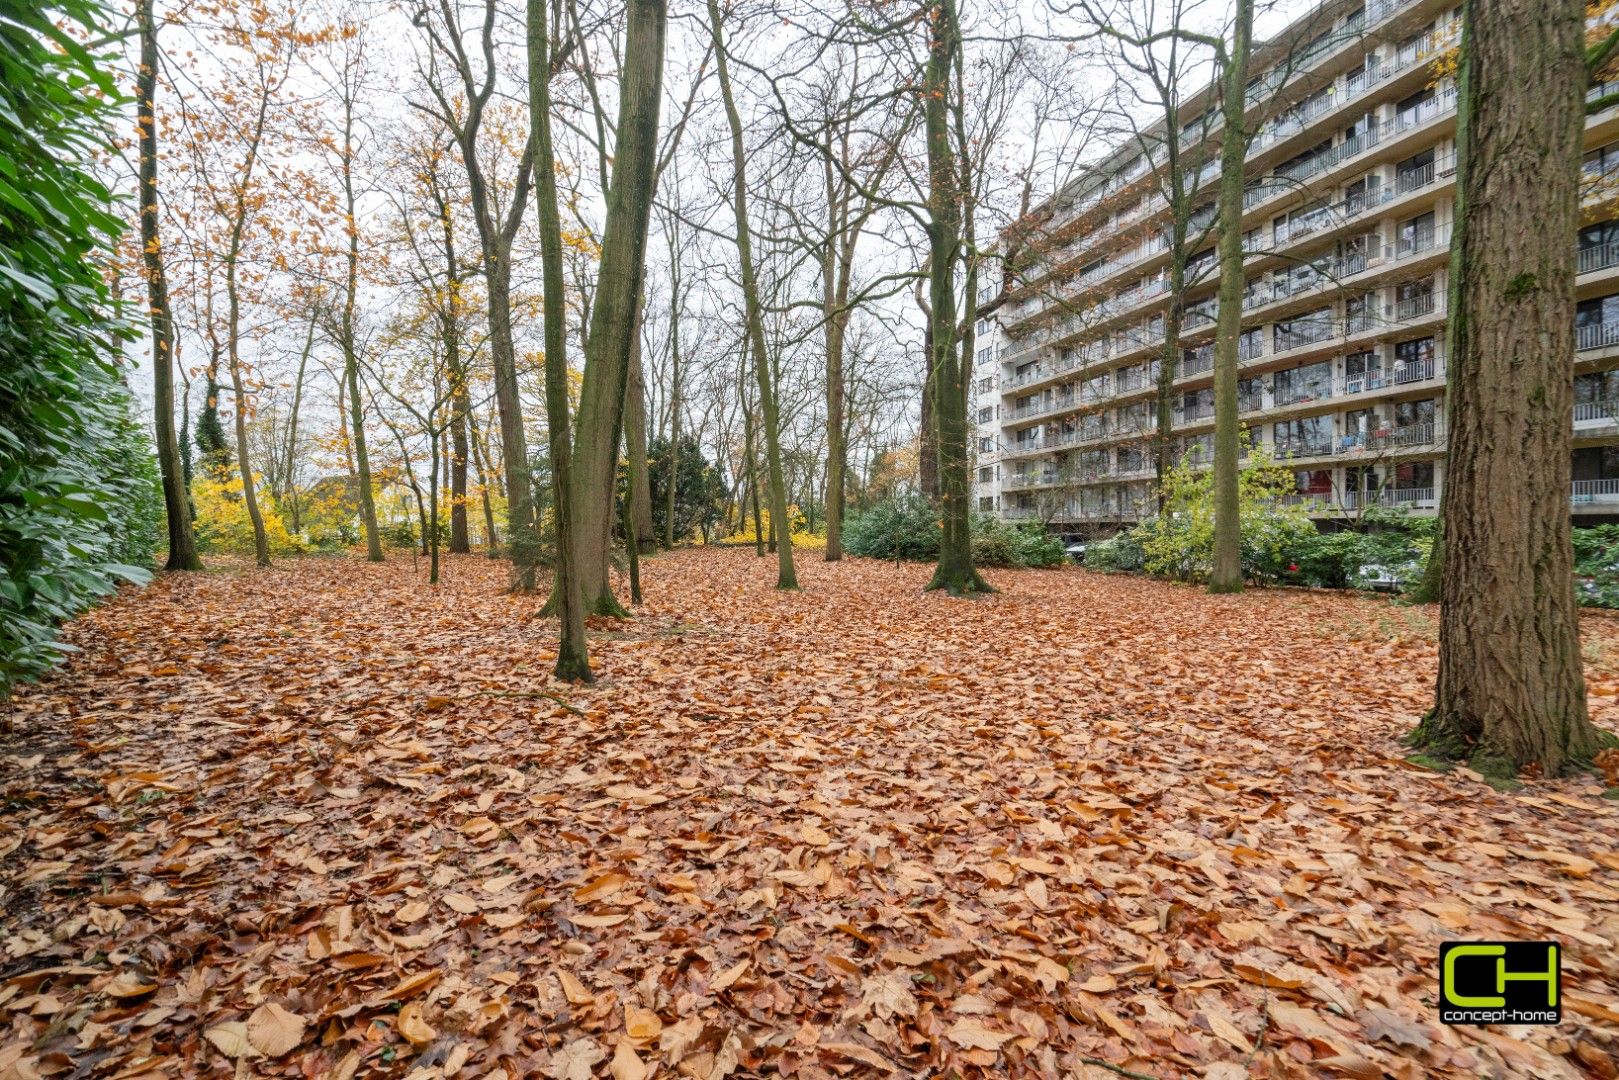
1596,463
1602,160
1304,436
1599,246
1313,481
1599,386
1596,322
986,446
1414,475
1305,383
986,475
1415,234
1414,172
1414,414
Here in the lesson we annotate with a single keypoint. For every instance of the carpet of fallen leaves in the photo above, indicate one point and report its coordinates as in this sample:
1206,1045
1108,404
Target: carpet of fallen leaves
322,820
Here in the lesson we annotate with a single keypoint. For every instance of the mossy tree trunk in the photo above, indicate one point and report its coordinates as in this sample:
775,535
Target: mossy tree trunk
618,290
1511,691
1226,573
955,572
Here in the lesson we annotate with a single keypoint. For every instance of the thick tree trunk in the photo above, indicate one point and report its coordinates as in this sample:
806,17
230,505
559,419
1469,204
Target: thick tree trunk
955,572
618,292
176,506
1511,691
1226,573
786,575
927,467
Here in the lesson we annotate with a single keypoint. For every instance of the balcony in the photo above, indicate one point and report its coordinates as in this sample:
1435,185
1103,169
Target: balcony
1415,307
1391,439
1415,498
1201,360
1301,448
1600,335
1418,241
1055,404
1599,257
1188,414
1594,491
1596,413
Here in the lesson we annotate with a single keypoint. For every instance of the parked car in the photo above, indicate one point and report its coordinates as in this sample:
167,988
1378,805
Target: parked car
1381,578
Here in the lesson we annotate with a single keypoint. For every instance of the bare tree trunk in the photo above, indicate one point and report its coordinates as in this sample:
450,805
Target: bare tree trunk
835,273
673,449
752,490
461,404
1226,573
618,290
486,479
233,334
351,364
639,492
288,494
786,575
1511,691
176,507
362,460
573,659
955,572
261,541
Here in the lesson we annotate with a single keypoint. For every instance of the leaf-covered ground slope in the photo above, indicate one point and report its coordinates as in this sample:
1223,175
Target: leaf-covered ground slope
322,820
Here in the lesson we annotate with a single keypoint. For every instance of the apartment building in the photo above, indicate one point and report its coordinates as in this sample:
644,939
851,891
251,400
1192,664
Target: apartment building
1347,220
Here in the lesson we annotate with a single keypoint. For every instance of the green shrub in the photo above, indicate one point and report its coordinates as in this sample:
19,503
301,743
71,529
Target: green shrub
1122,552
902,528
75,490
908,528
1327,560
1179,543
1027,544
1596,566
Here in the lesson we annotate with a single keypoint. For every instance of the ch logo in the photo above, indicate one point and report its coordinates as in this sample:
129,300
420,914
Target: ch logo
1499,982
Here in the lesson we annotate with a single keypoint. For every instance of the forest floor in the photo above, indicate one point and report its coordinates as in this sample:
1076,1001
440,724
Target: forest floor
324,820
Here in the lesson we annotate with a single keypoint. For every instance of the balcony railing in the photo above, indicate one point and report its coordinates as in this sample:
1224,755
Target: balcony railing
1596,412
1414,497
1600,335
1413,307
1587,491
1299,448
1599,257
